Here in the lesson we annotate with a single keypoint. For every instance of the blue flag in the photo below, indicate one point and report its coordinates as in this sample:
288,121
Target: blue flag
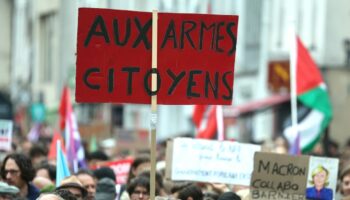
62,169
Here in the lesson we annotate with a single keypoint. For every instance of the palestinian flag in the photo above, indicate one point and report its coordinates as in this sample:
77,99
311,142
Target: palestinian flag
209,122
204,119
312,93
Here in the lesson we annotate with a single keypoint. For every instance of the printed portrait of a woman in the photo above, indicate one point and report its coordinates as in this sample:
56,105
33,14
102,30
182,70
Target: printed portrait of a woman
319,181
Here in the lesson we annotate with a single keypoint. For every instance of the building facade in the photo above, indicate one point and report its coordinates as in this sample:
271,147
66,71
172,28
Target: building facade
38,58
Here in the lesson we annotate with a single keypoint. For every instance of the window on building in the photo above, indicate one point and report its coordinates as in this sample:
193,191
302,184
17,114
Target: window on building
46,47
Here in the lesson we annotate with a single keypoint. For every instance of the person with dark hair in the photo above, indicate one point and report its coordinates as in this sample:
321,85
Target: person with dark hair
344,187
88,180
17,170
140,164
179,185
159,182
138,188
95,157
190,192
229,196
210,195
46,170
104,172
45,177
38,154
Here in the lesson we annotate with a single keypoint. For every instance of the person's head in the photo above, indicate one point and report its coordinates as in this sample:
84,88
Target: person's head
46,170
49,196
17,170
73,185
105,189
37,154
333,148
190,192
159,180
105,172
281,145
229,196
178,185
210,195
140,164
318,149
320,177
95,157
345,181
7,192
42,182
65,194
89,182
138,188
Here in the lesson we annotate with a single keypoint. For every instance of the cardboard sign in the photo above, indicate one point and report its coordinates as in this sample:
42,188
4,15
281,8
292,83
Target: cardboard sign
5,134
196,55
120,167
278,176
211,161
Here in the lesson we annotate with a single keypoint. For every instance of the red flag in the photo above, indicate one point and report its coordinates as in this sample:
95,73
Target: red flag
204,118
53,146
198,113
308,75
63,107
69,124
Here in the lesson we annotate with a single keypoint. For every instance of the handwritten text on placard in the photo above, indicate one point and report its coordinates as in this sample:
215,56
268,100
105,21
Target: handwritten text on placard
212,161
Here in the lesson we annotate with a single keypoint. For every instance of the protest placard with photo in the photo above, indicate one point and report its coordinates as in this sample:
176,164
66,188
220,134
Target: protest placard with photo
280,176
322,178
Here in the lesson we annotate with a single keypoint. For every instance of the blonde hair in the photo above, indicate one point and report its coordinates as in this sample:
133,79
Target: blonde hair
317,170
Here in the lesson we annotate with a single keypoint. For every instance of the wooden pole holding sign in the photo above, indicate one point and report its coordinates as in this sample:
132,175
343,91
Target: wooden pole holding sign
154,105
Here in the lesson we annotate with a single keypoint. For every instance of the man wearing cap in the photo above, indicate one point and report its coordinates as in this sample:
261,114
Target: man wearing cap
73,185
17,170
8,192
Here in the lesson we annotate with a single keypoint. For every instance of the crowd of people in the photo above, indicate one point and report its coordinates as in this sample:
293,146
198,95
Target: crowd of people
27,173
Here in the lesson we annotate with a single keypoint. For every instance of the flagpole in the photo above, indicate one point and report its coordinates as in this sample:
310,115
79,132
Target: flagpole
58,175
220,122
293,84
154,105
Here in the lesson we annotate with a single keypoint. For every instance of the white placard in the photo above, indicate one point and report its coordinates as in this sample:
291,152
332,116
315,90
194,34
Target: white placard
212,161
5,134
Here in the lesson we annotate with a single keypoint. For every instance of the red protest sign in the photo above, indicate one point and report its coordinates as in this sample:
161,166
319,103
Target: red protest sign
196,55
